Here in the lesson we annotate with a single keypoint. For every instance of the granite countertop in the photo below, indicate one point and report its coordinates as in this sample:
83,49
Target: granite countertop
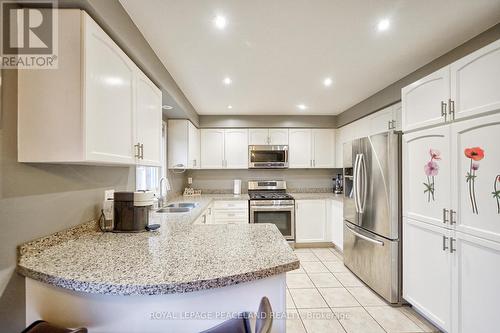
179,257
316,196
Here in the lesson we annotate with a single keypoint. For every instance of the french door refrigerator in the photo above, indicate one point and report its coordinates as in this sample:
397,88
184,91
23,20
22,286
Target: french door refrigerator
372,212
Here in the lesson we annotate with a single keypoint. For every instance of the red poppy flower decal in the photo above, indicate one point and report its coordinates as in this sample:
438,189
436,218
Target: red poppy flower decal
475,153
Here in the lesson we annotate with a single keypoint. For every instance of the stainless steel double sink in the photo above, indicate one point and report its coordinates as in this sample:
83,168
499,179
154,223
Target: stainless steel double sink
178,207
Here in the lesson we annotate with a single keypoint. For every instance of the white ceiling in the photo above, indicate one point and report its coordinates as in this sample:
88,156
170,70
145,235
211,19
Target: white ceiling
278,52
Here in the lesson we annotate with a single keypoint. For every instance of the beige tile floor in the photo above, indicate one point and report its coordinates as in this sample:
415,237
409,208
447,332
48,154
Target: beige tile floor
323,296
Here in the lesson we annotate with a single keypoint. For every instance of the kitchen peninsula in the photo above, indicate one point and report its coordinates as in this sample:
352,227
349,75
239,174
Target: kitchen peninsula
140,282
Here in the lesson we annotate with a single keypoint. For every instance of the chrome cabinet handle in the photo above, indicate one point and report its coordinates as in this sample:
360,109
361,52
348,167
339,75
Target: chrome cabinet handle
137,150
451,245
445,247
204,219
141,148
443,110
452,109
445,215
453,214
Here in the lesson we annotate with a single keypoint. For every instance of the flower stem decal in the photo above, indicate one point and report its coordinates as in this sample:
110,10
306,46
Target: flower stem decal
475,154
496,192
431,170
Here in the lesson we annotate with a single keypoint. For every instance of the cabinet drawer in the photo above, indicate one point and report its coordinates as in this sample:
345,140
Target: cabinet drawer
231,214
240,205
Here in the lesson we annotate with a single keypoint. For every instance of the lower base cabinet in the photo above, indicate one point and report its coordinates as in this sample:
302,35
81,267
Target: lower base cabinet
451,277
233,211
310,221
336,220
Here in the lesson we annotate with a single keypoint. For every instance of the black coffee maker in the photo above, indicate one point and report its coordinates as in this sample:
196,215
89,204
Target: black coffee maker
339,184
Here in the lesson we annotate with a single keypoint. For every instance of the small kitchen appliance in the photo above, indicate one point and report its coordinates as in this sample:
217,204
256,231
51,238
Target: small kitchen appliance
269,203
131,211
268,156
339,184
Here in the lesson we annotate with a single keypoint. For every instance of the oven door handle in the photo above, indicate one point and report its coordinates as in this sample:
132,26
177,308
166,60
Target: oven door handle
287,207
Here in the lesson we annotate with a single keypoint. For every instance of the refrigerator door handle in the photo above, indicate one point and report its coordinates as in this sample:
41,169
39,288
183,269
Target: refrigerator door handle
355,184
366,238
364,183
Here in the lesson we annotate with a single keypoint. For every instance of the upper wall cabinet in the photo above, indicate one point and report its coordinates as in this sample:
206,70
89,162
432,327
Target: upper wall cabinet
96,108
224,148
425,102
475,82
312,148
265,136
467,87
183,145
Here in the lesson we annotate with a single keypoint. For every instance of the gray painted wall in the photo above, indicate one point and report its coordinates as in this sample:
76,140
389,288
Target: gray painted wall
113,18
225,121
392,93
39,199
210,180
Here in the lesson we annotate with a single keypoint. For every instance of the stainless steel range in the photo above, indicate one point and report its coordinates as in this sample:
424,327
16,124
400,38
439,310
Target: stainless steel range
269,203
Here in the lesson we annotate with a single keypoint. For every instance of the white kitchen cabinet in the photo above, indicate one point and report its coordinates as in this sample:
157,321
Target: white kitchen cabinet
268,136
258,136
229,212
323,148
335,223
422,101
278,136
212,149
475,79
236,148
420,203
183,145
300,149
427,270
310,221
148,121
476,268
477,209
93,109
387,119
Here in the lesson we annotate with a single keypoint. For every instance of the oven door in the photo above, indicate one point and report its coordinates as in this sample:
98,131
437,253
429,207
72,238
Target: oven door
281,216
268,157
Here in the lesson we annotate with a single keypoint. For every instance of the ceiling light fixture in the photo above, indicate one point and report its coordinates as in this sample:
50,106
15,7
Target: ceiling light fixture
229,106
227,81
383,25
167,107
327,82
302,106
220,22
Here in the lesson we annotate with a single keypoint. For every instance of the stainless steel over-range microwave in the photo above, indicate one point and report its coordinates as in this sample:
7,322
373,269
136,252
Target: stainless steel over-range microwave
268,157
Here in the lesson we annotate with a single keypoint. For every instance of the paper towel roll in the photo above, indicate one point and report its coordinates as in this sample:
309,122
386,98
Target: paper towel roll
237,187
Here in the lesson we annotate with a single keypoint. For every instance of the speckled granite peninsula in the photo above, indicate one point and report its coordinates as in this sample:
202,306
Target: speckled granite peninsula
177,258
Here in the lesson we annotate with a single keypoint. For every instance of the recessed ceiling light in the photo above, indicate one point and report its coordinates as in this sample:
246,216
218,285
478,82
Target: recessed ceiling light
383,25
229,106
302,106
327,82
167,107
227,81
220,22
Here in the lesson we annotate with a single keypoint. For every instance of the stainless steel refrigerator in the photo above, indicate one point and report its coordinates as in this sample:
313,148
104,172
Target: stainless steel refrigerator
372,212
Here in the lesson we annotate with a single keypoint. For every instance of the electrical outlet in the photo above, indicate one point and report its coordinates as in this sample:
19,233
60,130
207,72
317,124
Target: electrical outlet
190,180
109,194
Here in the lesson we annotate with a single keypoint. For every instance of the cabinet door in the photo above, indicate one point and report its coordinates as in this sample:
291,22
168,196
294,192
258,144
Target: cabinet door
193,147
421,100
310,221
396,116
148,120
476,293
278,136
108,98
476,176
426,179
427,270
212,148
300,148
336,221
236,148
381,121
475,82
323,148
258,136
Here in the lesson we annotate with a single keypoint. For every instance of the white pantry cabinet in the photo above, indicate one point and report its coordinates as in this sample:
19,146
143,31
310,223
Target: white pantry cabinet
268,136
427,198
183,145
96,108
311,148
224,148
427,270
468,87
311,221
